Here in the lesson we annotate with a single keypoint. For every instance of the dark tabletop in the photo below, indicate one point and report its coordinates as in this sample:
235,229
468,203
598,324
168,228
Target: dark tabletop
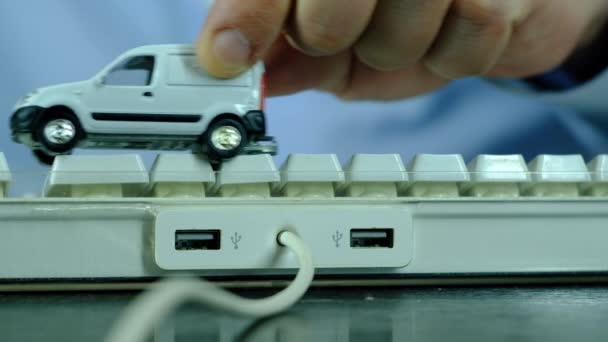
564,313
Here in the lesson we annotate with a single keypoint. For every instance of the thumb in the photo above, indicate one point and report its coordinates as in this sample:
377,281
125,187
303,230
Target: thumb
239,33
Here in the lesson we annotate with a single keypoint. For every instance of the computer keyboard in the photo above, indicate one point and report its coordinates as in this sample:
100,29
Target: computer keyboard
108,220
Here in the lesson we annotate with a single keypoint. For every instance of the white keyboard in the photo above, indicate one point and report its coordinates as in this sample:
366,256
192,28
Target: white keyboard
108,220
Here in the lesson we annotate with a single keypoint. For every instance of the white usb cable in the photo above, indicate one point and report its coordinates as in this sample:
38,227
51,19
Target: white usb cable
149,308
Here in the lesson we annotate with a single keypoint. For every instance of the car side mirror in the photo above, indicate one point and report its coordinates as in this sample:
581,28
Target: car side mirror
99,81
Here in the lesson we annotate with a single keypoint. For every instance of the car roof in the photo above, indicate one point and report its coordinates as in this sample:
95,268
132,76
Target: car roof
173,48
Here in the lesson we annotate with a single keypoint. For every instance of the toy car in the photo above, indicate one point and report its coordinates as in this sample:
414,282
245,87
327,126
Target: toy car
151,97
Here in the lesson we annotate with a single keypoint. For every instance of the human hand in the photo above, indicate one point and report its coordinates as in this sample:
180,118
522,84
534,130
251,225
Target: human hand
390,49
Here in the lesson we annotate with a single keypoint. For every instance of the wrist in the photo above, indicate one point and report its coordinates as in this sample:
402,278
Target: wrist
587,62
596,26
591,58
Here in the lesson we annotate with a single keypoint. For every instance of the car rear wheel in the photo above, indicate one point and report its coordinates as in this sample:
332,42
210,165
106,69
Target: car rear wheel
225,139
58,132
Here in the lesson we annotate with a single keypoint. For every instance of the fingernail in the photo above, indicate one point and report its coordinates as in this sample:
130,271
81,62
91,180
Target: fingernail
232,49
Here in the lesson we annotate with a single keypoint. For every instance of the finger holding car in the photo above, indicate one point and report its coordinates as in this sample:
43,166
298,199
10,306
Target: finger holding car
390,49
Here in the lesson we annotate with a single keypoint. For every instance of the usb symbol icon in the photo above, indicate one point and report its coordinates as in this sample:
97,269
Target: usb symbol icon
236,238
337,237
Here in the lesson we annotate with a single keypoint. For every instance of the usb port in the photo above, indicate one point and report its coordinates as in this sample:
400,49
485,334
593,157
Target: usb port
371,238
197,240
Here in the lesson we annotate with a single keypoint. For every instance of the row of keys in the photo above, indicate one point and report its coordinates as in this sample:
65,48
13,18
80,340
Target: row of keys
322,176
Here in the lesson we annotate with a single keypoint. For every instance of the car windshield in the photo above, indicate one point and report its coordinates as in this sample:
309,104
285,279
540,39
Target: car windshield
133,71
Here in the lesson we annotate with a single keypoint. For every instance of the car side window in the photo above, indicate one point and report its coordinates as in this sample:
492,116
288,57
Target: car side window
135,71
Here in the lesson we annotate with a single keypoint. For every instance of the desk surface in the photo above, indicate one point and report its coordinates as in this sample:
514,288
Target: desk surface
368,314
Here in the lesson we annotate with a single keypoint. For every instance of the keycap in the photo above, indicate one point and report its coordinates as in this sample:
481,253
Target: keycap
374,175
310,175
181,176
247,176
496,176
436,175
557,176
5,175
97,176
598,167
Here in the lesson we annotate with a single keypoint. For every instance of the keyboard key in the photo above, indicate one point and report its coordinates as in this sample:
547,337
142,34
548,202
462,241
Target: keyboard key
97,176
557,176
434,175
374,175
496,176
5,175
247,176
598,167
310,175
181,176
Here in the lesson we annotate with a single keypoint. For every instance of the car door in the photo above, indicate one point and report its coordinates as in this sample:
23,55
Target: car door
123,100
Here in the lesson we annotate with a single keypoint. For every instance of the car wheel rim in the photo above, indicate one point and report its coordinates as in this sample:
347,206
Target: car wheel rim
59,131
226,138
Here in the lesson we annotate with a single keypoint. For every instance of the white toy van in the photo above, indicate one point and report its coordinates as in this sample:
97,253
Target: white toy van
151,97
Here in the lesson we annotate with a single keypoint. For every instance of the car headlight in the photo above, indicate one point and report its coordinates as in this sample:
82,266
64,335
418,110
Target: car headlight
27,98
24,100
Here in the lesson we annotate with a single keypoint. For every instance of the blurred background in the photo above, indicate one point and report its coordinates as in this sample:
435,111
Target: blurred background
50,42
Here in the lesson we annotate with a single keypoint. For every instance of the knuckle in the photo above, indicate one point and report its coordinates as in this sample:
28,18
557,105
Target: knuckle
329,27
258,20
341,82
323,36
388,56
454,71
380,60
263,16
484,13
347,93
470,69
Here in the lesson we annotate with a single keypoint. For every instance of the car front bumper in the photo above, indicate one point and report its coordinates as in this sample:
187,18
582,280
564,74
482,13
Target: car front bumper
23,118
25,138
255,123
22,122
265,145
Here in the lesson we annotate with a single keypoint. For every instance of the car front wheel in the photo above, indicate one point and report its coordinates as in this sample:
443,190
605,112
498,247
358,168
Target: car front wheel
225,139
58,132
